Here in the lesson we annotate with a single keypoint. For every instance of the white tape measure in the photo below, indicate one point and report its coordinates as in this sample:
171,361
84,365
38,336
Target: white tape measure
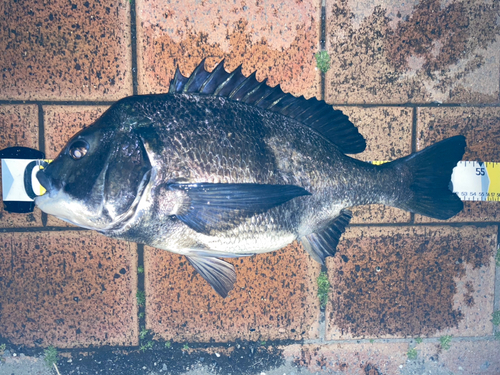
477,181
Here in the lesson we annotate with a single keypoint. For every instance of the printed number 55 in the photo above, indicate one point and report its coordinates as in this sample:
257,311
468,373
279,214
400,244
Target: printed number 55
480,171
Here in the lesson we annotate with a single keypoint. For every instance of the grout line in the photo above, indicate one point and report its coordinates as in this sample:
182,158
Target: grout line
141,286
41,147
43,229
322,311
55,102
133,45
41,130
413,146
414,129
322,45
322,38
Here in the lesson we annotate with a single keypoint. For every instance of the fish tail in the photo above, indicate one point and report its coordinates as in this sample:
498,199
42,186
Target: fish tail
430,179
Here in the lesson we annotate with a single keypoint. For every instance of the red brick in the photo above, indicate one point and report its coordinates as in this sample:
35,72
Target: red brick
274,298
412,281
19,127
269,38
64,50
412,51
67,289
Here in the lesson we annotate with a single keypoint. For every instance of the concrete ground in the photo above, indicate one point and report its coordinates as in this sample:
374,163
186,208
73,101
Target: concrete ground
407,74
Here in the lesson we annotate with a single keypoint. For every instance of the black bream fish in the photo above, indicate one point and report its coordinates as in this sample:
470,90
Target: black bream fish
226,166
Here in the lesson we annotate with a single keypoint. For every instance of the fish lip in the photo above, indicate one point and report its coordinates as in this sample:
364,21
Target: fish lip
52,186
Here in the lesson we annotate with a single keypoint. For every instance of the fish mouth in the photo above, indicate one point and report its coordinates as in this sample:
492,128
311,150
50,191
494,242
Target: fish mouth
51,185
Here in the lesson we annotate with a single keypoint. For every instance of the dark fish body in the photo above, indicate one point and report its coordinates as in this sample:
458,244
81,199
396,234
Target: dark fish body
211,174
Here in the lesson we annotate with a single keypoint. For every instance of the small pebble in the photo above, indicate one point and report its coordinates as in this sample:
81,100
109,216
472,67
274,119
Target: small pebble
217,355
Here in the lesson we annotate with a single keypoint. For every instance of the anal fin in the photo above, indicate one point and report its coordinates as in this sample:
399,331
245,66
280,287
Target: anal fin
219,274
323,243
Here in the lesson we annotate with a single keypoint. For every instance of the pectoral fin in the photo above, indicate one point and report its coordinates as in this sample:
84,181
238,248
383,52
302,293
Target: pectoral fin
323,243
219,274
222,206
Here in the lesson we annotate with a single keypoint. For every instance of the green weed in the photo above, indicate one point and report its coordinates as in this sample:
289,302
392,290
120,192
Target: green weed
412,354
146,346
50,356
323,289
323,61
144,332
185,347
141,298
496,318
168,345
419,340
140,269
445,342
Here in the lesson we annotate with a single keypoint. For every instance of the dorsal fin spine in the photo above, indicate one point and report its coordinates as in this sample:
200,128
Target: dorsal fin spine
233,93
223,84
248,94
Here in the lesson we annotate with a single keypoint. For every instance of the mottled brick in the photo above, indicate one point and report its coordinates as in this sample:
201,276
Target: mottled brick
349,358
19,127
267,37
481,127
67,289
274,298
63,50
412,281
413,51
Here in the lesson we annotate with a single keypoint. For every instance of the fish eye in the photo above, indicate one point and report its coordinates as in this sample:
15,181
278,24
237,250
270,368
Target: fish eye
78,149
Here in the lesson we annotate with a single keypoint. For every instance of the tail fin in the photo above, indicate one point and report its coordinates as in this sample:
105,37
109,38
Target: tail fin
431,170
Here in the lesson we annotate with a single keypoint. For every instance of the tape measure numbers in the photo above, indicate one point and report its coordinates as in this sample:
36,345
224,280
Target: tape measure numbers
477,181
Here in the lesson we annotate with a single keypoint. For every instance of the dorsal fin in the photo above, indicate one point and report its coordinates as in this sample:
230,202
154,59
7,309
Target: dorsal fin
318,115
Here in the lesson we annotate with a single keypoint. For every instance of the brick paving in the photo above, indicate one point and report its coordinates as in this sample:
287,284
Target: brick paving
408,74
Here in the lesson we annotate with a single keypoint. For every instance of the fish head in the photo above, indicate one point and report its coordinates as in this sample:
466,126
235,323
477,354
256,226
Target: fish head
97,180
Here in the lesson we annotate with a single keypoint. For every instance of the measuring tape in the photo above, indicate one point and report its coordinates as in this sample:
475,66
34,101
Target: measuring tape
477,181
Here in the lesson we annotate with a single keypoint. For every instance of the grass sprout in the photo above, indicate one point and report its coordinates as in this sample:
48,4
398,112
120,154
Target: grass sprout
323,289
323,61
445,342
